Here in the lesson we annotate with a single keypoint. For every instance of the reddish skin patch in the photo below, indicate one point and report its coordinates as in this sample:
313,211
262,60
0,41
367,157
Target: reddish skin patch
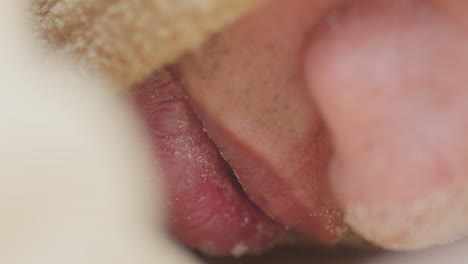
208,210
248,89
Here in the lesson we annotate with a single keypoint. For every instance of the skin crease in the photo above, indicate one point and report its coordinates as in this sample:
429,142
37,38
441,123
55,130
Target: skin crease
397,152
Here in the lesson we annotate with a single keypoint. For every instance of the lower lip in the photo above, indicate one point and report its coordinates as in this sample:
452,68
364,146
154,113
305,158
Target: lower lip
208,209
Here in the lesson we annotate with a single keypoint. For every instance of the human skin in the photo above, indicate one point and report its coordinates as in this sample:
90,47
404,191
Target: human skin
383,79
43,97
353,117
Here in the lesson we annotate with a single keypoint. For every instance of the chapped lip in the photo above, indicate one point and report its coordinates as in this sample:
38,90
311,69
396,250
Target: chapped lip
208,208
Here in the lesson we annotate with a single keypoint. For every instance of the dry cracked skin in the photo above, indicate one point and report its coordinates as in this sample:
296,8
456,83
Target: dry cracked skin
303,118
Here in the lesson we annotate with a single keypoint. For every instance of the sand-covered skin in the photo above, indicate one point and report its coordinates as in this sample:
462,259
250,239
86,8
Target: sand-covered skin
127,40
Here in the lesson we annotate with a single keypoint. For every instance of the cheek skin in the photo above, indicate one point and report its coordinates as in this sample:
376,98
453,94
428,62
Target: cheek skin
248,88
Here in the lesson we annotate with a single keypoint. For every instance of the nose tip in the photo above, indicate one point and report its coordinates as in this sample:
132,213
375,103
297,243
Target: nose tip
386,76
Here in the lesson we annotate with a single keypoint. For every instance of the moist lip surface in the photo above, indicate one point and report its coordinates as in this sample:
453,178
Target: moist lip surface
208,209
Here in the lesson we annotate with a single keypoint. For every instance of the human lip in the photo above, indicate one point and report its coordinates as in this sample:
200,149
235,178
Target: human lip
208,209
271,136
